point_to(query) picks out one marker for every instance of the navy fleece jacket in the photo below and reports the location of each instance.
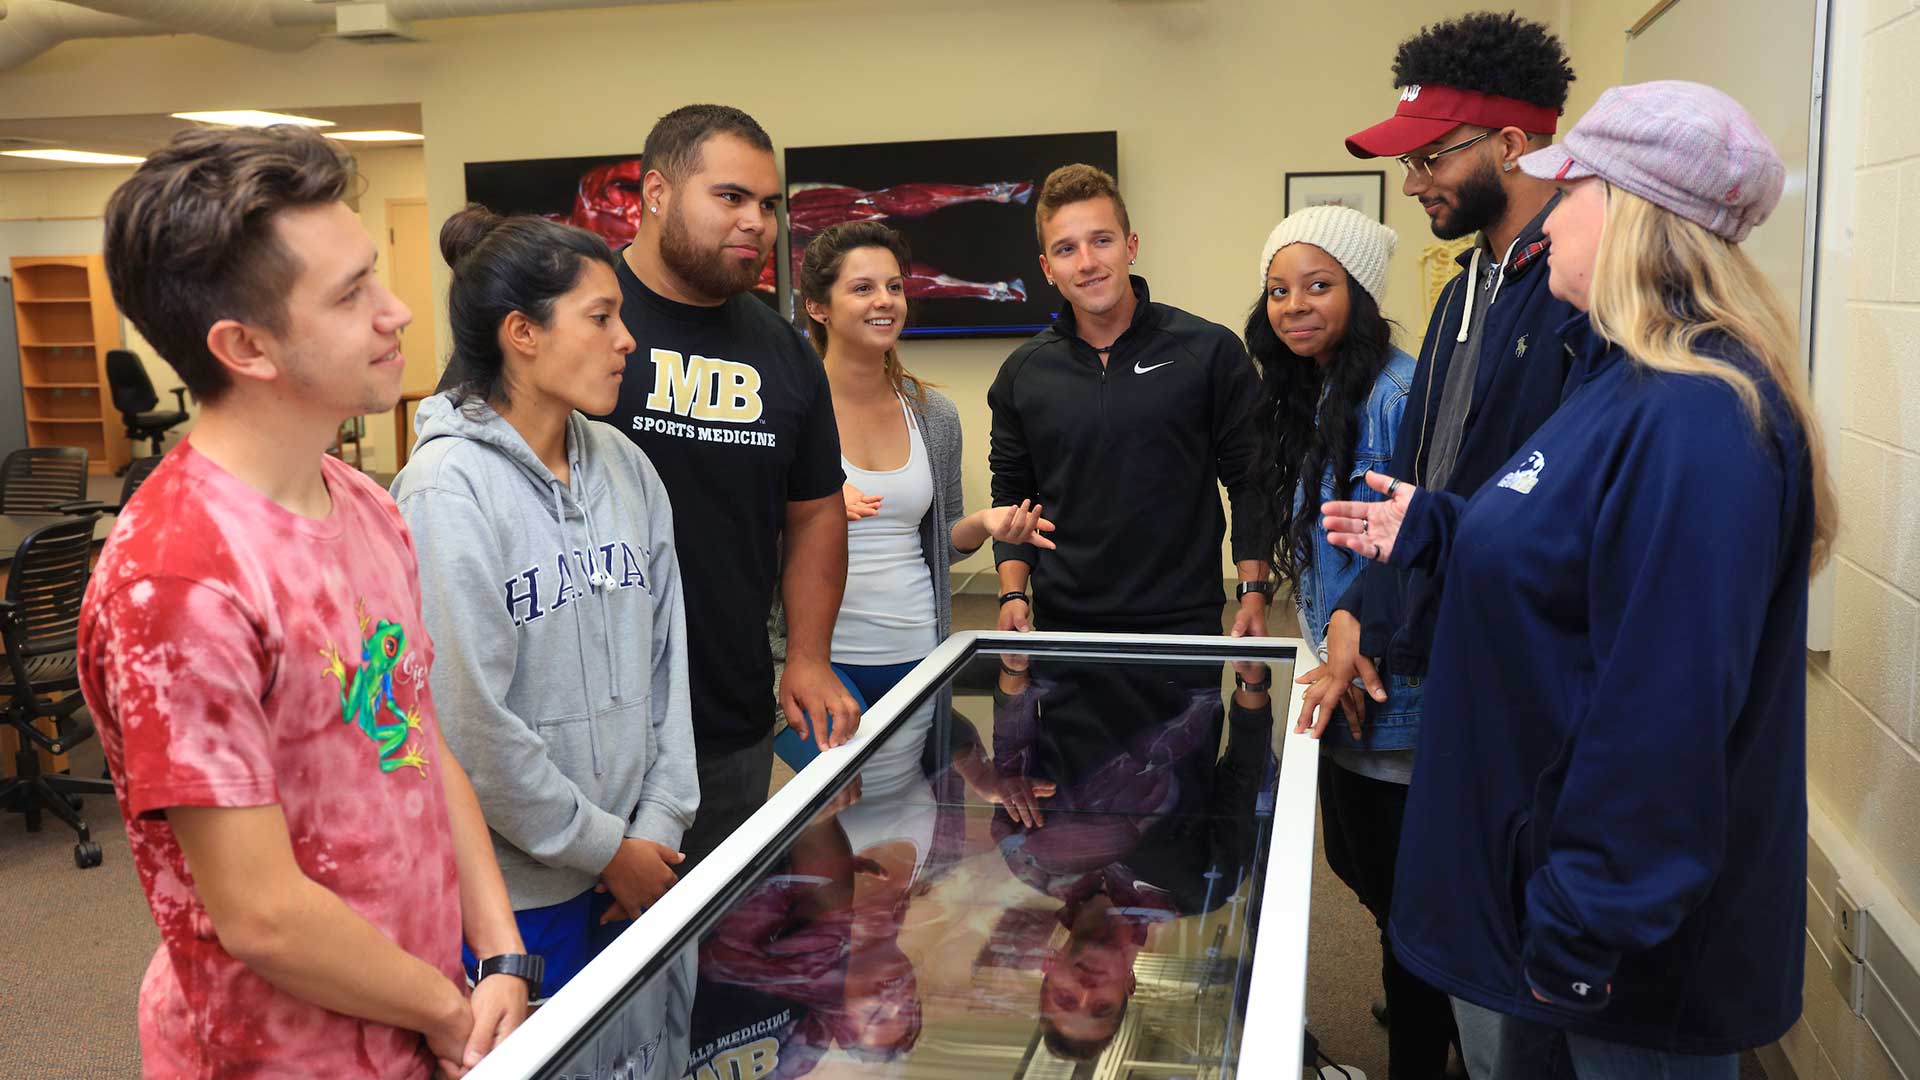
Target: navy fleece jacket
(1610, 808)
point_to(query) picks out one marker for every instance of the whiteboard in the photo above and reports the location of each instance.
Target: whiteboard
(1769, 55)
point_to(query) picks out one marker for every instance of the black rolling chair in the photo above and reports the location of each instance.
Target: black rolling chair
(41, 479)
(133, 395)
(137, 472)
(39, 621)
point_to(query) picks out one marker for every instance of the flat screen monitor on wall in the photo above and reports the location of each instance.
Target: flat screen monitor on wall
(966, 209)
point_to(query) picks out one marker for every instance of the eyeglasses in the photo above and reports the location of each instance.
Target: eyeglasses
(1424, 162)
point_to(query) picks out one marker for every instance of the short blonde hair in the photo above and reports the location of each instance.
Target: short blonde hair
(1070, 184)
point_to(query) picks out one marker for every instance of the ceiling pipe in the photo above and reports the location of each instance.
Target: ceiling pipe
(34, 26)
(279, 25)
(456, 9)
(31, 27)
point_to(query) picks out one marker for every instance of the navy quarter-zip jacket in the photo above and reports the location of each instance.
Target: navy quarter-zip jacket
(1610, 806)
(1517, 385)
(1127, 460)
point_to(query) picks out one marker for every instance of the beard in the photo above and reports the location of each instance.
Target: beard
(1479, 202)
(709, 272)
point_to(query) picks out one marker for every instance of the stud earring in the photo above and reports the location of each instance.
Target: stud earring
(1507, 167)
(1049, 281)
(655, 208)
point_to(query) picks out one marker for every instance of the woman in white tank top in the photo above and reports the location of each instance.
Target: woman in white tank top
(900, 447)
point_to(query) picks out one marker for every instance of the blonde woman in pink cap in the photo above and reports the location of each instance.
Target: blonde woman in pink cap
(1605, 848)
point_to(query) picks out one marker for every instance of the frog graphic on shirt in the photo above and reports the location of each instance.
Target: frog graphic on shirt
(367, 691)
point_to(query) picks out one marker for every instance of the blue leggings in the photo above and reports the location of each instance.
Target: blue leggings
(867, 684)
(566, 935)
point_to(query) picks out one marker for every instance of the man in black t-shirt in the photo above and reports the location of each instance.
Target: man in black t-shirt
(732, 407)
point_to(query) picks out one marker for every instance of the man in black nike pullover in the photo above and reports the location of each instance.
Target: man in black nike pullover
(1121, 420)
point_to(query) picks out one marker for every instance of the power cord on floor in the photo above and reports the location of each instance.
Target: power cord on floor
(1331, 1064)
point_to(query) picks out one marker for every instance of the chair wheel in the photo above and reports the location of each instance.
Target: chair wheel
(76, 802)
(86, 854)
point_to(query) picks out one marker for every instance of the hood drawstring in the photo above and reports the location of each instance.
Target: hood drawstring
(598, 580)
(578, 599)
(1473, 279)
(1466, 306)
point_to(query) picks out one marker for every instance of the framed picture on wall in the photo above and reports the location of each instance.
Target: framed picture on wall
(600, 194)
(1365, 191)
(965, 207)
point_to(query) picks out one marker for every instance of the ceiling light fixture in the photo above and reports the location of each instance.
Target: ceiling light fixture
(76, 157)
(250, 118)
(376, 136)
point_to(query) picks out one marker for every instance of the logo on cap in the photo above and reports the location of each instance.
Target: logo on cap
(1410, 93)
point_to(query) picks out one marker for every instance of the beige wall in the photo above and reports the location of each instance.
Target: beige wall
(1867, 772)
(1595, 34)
(1214, 101)
(81, 195)
(1863, 707)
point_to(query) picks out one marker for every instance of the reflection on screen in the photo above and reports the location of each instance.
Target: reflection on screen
(1052, 862)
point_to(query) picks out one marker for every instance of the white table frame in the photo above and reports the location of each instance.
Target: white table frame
(1277, 1002)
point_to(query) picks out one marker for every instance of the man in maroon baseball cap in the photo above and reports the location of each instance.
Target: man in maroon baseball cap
(1475, 94)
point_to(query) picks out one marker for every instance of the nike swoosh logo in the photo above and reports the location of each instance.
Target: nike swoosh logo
(1138, 370)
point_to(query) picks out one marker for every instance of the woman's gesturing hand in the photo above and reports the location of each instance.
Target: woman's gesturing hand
(1018, 524)
(1369, 528)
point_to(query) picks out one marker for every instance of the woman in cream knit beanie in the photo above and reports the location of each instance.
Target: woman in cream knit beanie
(1333, 390)
(1361, 244)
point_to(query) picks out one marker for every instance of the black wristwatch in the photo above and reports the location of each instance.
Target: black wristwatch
(520, 965)
(1254, 687)
(1264, 588)
(1014, 595)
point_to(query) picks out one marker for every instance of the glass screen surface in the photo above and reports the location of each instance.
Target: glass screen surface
(1051, 863)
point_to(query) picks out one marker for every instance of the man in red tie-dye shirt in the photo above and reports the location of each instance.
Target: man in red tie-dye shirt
(253, 652)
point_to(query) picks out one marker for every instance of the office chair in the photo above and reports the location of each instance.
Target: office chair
(38, 479)
(39, 623)
(133, 395)
(137, 472)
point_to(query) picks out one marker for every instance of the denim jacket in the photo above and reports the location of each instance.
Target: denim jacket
(1395, 724)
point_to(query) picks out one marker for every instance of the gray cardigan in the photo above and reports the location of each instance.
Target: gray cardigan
(940, 429)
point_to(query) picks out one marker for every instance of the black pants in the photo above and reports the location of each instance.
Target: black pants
(1361, 820)
(732, 786)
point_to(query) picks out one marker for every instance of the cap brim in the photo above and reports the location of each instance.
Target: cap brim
(1398, 135)
(1553, 163)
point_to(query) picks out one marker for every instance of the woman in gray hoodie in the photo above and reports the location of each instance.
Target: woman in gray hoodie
(551, 588)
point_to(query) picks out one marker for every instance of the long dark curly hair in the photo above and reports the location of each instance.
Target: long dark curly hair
(1292, 444)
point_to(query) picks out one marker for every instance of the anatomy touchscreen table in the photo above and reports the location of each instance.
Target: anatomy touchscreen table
(1050, 862)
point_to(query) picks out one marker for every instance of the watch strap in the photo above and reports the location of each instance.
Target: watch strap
(520, 965)
(1264, 588)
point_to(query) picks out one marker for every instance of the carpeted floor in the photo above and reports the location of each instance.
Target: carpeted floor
(79, 942)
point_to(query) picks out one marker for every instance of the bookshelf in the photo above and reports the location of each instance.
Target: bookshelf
(66, 321)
